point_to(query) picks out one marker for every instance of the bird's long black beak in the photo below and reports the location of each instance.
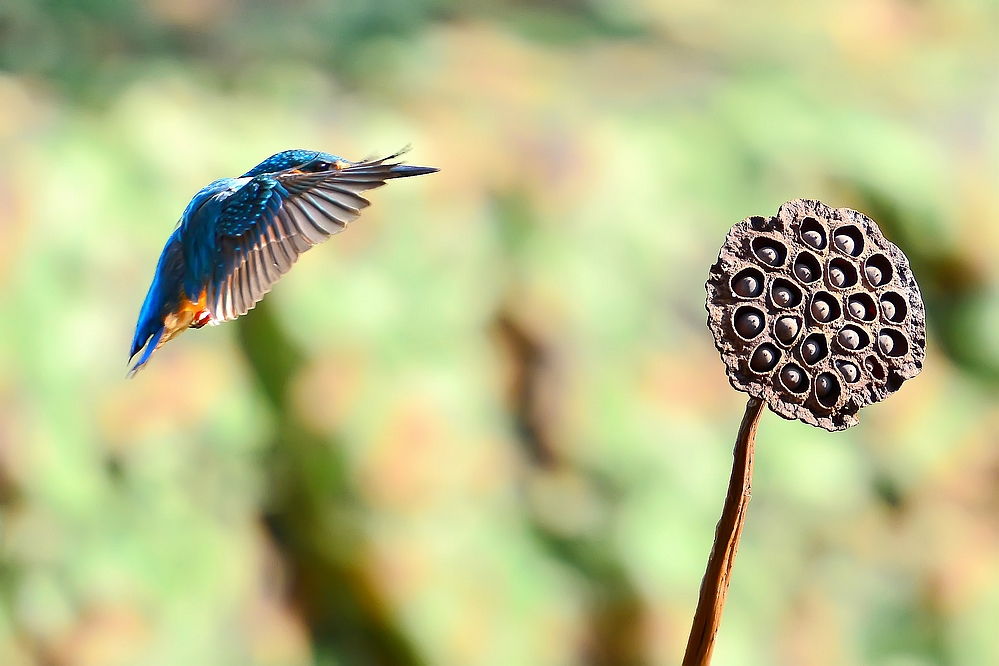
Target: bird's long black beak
(406, 170)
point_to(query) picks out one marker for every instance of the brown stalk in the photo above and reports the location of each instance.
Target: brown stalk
(718, 574)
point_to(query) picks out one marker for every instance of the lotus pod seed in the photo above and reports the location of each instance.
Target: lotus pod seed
(837, 276)
(786, 329)
(793, 378)
(747, 286)
(857, 309)
(849, 338)
(763, 359)
(888, 308)
(824, 385)
(749, 324)
(768, 255)
(813, 238)
(803, 272)
(845, 243)
(810, 351)
(821, 310)
(886, 342)
(874, 275)
(783, 296)
(850, 372)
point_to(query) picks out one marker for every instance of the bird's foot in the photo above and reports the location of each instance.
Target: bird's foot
(201, 317)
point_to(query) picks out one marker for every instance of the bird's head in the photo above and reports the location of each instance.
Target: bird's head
(309, 161)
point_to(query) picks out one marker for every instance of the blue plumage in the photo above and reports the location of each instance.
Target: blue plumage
(289, 159)
(238, 236)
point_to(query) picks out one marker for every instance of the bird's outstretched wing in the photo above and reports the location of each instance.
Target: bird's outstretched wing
(274, 218)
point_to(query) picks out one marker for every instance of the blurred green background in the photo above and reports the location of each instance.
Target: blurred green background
(486, 425)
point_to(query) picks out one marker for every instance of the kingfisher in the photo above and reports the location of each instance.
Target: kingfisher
(238, 236)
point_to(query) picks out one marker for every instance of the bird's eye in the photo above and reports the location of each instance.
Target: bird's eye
(321, 166)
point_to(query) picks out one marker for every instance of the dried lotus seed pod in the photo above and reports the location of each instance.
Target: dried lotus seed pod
(815, 313)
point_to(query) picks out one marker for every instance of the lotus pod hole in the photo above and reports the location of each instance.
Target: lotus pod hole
(794, 378)
(849, 240)
(806, 267)
(748, 283)
(878, 270)
(861, 306)
(825, 308)
(853, 338)
(814, 349)
(765, 358)
(842, 274)
(786, 329)
(749, 322)
(894, 307)
(827, 389)
(850, 372)
(784, 294)
(772, 253)
(813, 234)
(873, 366)
(892, 343)
(843, 306)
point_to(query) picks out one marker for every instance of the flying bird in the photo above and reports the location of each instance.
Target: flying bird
(238, 236)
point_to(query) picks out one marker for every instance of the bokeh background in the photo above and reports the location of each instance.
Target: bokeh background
(486, 425)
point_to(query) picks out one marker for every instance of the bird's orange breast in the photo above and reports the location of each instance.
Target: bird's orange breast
(187, 315)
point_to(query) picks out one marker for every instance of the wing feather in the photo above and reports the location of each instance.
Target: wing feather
(253, 274)
(327, 223)
(226, 311)
(279, 253)
(237, 291)
(303, 221)
(275, 217)
(246, 296)
(345, 196)
(267, 264)
(335, 206)
(325, 215)
(260, 278)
